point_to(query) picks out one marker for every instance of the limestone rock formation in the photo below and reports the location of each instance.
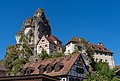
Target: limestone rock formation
(33, 29)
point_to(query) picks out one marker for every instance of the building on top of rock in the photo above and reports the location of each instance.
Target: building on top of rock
(71, 45)
(34, 30)
(51, 44)
(101, 52)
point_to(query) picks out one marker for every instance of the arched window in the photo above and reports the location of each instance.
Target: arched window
(41, 70)
(28, 72)
(22, 72)
(49, 69)
(57, 68)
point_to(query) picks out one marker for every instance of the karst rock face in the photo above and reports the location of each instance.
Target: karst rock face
(33, 29)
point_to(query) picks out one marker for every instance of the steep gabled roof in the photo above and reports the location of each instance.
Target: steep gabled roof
(54, 38)
(49, 40)
(66, 61)
(75, 39)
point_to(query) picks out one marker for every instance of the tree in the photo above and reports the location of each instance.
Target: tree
(12, 59)
(43, 55)
(102, 73)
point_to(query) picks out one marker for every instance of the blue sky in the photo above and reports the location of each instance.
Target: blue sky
(94, 20)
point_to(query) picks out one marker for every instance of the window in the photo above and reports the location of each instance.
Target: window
(71, 79)
(54, 46)
(51, 51)
(92, 47)
(40, 46)
(49, 69)
(105, 49)
(76, 80)
(28, 72)
(80, 63)
(99, 48)
(64, 79)
(79, 70)
(41, 70)
(57, 68)
(22, 72)
(96, 59)
(36, 60)
(43, 40)
(59, 48)
(46, 45)
(100, 60)
(105, 60)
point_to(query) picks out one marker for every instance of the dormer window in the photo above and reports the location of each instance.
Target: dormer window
(22, 72)
(41, 70)
(58, 67)
(99, 48)
(105, 49)
(49, 69)
(29, 71)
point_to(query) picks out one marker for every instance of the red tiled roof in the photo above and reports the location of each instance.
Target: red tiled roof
(97, 47)
(66, 61)
(100, 48)
(54, 38)
(118, 67)
(75, 39)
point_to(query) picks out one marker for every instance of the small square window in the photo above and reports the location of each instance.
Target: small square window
(40, 46)
(59, 48)
(46, 45)
(43, 40)
(54, 46)
(105, 60)
(100, 60)
(51, 51)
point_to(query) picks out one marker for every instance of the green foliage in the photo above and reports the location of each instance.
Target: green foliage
(17, 65)
(102, 73)
(56, 55)
(90, 52)
(12, 61)
(63, 48)
(43, 55)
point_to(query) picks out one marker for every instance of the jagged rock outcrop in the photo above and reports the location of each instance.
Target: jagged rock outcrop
(27, 38)
(33, 29)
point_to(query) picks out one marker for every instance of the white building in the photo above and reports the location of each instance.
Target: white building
(51, 44)
(101, 52)
(71, 45)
